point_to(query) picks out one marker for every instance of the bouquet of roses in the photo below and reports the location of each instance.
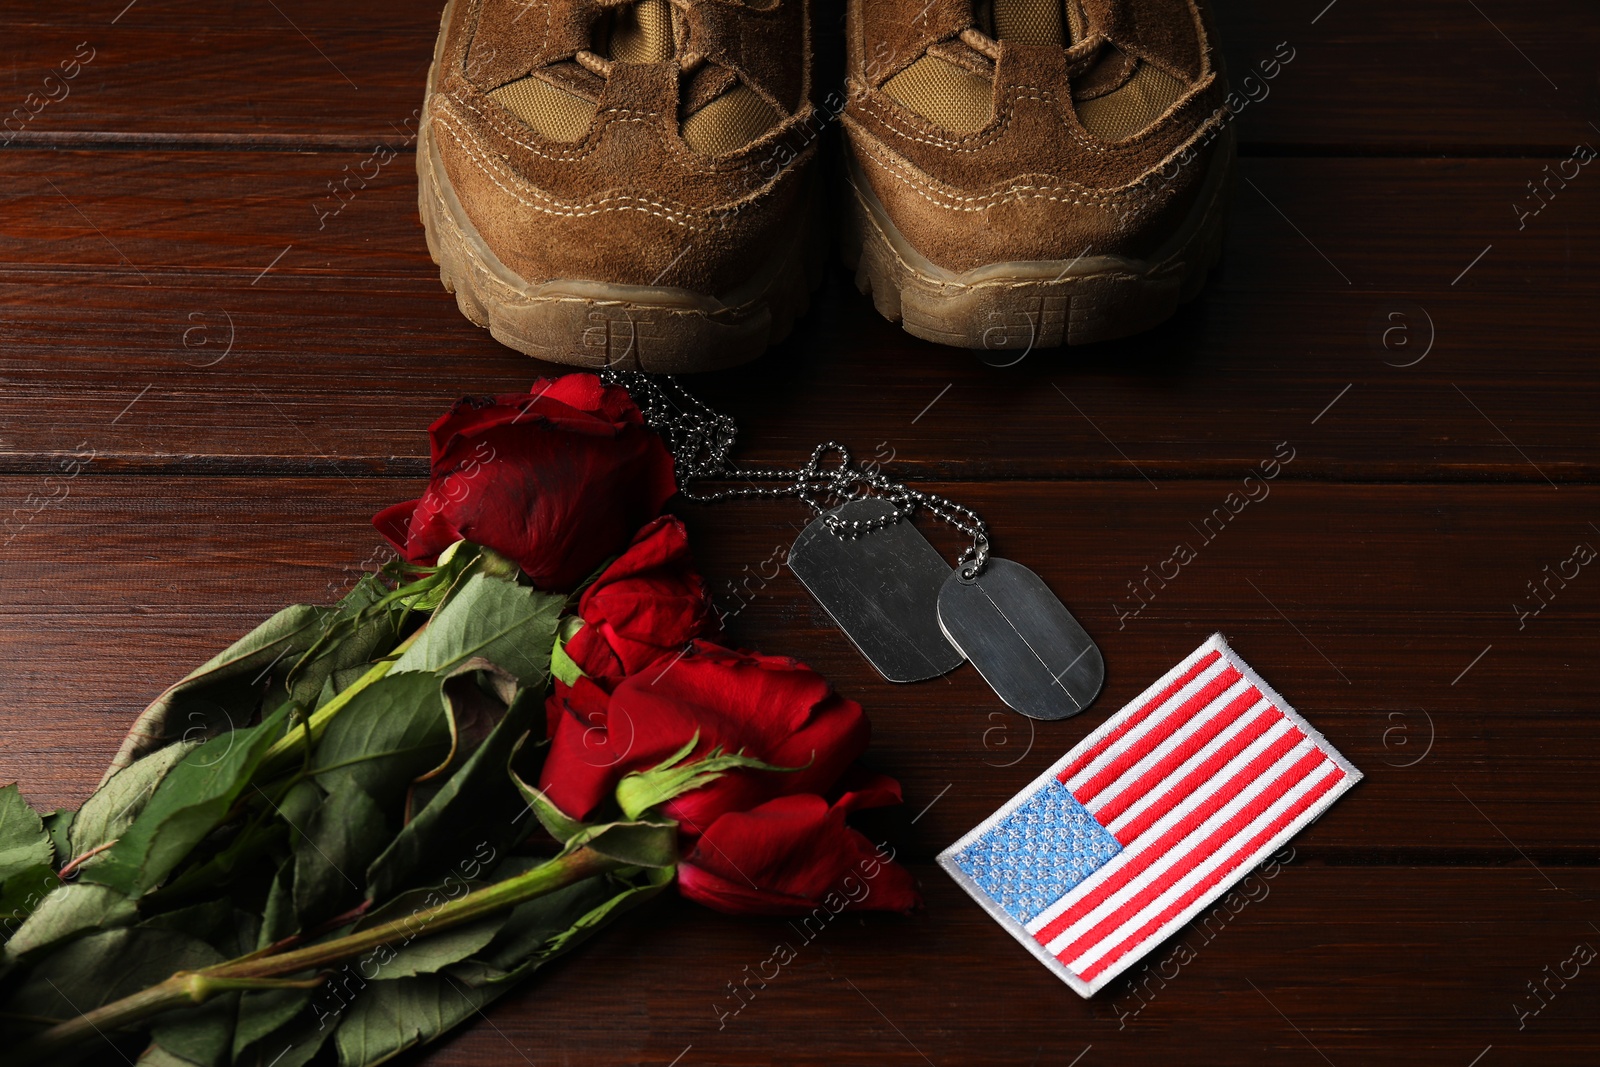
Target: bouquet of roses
(317, 846)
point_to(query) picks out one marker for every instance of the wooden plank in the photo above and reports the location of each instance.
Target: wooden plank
(1411, 78)
(252, 357)
(1373, 966)
(1365, 76)
(1377, 226)
(1369, 608)
(1372, 608)
(344, 346)
(289, 73)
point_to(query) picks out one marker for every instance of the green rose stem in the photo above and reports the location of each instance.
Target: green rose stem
(289, 748)
(282, 755)
(268, 970)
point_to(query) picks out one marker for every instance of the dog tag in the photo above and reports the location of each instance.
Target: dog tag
(881, 588)
(1022, 639)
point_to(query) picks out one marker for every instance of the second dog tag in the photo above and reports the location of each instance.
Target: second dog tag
(1023, 640)
(881, 588)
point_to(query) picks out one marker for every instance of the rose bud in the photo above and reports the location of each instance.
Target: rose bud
(645, 606)
(557, 479)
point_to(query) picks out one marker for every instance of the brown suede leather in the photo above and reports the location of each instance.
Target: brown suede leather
(1034, 184)
(764, 47)
(887, 36)
(1168, 35)
(629, 203)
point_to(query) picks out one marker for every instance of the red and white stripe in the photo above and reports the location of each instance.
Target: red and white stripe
(1198, 780)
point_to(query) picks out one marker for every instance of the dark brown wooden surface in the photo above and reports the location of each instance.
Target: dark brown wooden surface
(254, 377)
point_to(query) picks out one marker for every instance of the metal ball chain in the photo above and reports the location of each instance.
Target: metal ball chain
(701, 441)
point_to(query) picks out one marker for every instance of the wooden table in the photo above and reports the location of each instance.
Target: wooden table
(251, 364)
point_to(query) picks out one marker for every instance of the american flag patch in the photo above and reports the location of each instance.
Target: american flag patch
(1150, 819)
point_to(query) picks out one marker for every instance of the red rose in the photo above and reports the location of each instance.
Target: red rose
(556, 479)
(649, 604)
(767, 707)
(794, 854)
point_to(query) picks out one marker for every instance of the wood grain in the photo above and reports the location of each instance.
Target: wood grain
(1417, 78)
(1365, 76)
(1357, 965)
(137, 269)
(252, 358)
(1364, 605)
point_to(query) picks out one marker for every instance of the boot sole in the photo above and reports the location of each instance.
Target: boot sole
(582, 323)
(1027, 304)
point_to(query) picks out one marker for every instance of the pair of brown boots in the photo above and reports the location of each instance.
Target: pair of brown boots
(637, 184)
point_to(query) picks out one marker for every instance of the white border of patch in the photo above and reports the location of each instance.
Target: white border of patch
(1216, 642)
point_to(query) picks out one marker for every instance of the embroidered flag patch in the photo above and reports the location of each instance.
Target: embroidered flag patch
(1150, 819)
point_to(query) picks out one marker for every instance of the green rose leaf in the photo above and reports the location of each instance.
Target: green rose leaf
(218, 923)
(478, 794)
(431, 952)
(58, 824)
(649, 883)
(278, 919)
(71, 909)
(120, 799)
(476, 698)
(107, 966)
(188, 804)
(24, 842)
(556, 822)
(22, 894)
(264, 1012)
(639, 791)
(544, 928)
(226, 691)
(535, 924)
(389, 1017)
(197, 1037)
(332, 848)
(261, 1013)
(646, 843)
(364, 625)
(202, 1035)
(156, 1055)
(491, 619)
(425, 951)
(563, 666)
(293, 1043)
(391, 732)
(393, 1014)
(289, 657)
(458, 563)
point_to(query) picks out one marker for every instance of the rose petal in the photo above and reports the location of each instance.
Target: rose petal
(790, 856)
